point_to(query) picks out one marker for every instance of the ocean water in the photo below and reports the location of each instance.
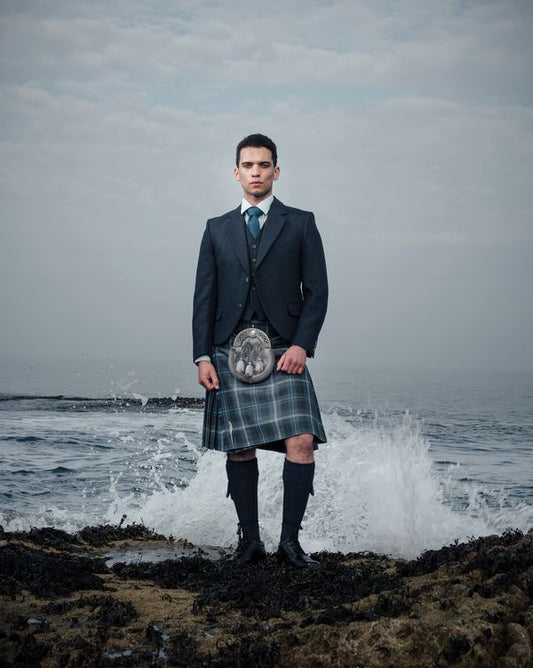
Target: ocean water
(413, 462)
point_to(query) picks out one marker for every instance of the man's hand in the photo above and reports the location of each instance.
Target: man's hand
(207, 376)
(293, 360)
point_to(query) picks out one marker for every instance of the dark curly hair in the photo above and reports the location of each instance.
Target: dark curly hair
(258, 141)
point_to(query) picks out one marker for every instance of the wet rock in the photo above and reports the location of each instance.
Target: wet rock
(268, 589)
(466, 605)
(46, 574)
(31, 651)
(50, 537)
(248, 651)
(181, 649)
(490, 554)
(99, 536)
(455, 648)
(106, 610)
(519, 653)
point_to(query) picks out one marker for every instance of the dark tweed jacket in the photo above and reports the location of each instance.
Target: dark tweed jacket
(290, 275)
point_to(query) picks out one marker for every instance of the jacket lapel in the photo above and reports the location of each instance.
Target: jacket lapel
(272, 228)
(237, 236)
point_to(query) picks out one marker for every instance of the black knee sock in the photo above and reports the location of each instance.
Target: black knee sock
(242, 486)
(297, 485)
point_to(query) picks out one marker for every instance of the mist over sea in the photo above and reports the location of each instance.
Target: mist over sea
(413, 461)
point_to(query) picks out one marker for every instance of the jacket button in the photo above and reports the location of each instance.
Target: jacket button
(246, 279)
(239, 305)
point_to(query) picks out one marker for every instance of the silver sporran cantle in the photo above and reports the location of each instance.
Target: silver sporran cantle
(251, 358)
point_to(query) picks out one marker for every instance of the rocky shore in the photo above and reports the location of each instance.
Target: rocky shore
(69, 600)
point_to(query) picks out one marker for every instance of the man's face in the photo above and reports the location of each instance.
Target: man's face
(256, 173)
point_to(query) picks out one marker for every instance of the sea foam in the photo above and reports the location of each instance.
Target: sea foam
(376, 489)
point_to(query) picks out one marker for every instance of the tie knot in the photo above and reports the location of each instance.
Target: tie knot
(254, 212)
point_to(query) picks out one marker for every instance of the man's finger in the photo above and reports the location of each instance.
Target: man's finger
(207, 376)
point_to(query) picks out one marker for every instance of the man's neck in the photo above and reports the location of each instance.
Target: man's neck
(256, 200)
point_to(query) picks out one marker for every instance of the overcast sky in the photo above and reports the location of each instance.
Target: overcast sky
(406, 126)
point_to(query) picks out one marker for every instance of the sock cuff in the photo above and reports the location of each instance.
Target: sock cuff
(241, 466)
(292, 468)
(299, 474)
(241, 472)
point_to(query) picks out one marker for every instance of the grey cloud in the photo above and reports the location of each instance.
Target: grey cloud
(406, 131)
(430, 48)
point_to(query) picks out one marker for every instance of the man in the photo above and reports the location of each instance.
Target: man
(260, 300)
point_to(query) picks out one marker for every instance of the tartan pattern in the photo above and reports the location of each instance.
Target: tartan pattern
(239, 415)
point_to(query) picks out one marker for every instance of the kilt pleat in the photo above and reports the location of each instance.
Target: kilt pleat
(239, 415)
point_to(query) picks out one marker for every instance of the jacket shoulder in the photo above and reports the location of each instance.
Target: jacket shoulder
(229, 214)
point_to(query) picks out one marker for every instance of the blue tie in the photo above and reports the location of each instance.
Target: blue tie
(253, 220)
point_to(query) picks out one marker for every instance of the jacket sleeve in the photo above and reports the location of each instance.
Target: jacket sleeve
(205, 298)
(314, 289)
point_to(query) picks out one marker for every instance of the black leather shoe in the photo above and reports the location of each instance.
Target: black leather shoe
(290, 551)
(248, 551)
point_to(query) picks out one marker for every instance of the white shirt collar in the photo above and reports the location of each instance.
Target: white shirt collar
(264, 205)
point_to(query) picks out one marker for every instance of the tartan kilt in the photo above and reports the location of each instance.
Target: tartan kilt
(240, 415)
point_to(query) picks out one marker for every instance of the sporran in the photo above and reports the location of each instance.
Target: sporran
(251, 358)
